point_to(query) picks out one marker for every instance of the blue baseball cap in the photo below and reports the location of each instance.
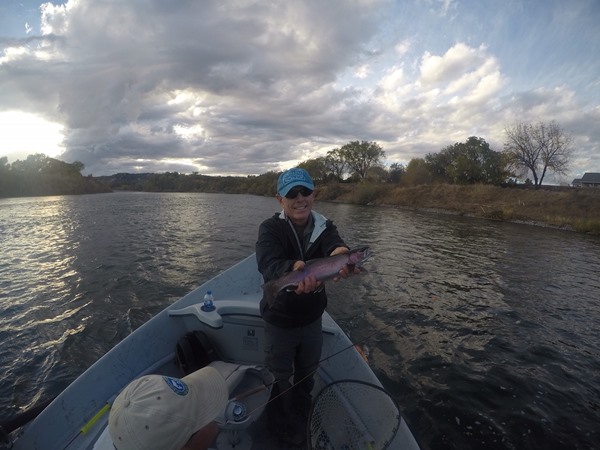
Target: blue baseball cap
(292, 178)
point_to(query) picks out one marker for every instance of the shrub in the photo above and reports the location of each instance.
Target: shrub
(368, 193)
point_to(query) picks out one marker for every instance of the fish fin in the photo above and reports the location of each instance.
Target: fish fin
(361, 269)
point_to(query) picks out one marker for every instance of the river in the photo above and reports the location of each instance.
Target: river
(484, 332)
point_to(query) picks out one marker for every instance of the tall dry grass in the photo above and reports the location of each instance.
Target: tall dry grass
(576, 209)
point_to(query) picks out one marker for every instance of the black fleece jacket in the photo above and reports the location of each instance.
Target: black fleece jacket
(277, 249)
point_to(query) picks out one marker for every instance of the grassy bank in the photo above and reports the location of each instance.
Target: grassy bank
(573, 209)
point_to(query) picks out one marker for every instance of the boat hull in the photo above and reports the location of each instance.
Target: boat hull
(77, 418)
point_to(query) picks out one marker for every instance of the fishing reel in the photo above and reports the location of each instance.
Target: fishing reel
(249, 392)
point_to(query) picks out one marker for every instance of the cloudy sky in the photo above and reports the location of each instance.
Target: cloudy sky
(239, 87)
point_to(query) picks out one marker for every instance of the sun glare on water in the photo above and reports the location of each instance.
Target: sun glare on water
(23, 134)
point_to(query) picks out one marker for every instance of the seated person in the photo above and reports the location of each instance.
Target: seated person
(156, 412)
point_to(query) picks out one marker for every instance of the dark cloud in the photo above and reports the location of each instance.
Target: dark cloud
(230, 87)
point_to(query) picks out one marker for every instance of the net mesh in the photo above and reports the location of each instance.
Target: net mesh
(349, 415)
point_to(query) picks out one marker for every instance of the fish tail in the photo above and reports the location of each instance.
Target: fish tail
(270, 290)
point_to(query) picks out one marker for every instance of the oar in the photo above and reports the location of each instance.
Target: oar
(23, 418)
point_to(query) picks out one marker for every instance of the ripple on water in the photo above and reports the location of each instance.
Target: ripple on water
(484, 332)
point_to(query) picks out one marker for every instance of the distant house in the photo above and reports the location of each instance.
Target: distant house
(589, 179)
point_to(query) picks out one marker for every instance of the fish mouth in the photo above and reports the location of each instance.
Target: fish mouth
(366, 253)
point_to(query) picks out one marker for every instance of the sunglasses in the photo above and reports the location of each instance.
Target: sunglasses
(293, 193)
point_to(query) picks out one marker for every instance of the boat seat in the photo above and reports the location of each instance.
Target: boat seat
(214, 318)
(249, 392)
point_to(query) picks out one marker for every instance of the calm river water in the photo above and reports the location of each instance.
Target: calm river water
(485, 332)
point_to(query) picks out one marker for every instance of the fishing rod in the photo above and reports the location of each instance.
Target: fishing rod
(314, 371)
(29, 414)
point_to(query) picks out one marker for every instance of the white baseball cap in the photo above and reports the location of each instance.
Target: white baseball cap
(156, 412)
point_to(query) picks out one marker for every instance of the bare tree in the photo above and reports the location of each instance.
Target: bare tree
(538, 148)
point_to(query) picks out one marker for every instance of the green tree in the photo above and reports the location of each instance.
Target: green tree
(335, 165)
(417, 172)
(537, 148)
(378, 174)
(6, 179)
(32, 164)
(468, 163)
(77, 166)
(396, 172)
(361, 156)
(439, 163)
(268, 182)
(41, 175)
(316, 167)
(60, 168)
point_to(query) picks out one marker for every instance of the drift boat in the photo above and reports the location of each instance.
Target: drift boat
(350, 408)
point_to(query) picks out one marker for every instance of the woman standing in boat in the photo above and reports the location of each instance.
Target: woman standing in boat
(293, 333)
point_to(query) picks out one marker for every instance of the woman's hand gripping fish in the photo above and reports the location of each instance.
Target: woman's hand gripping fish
(322, 269)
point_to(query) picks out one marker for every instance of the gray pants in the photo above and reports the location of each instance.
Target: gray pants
(292, 355)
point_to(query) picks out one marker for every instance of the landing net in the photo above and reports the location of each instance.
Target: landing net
(353, 415)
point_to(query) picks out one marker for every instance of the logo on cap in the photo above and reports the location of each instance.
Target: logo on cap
(294, 175)
(177, 385)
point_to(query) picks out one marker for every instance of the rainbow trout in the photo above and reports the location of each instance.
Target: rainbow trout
(322, 269)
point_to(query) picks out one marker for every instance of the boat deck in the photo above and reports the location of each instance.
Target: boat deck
(256, 437)
(77, 418)
(262, 438)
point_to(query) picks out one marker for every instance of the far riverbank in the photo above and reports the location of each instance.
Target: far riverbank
(576, 209)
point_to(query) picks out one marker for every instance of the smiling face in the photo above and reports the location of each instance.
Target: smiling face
(297, 209)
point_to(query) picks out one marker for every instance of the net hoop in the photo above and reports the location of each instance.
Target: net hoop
(353, 415)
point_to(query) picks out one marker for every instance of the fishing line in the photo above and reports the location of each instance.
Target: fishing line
(313, 372)
(250, 392)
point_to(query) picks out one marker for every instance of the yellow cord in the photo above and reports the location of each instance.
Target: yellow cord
(95, 419)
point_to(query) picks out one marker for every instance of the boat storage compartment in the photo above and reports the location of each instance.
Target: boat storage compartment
(234, 327)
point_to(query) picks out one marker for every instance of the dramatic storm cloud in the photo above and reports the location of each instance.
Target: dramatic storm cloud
(243, 87)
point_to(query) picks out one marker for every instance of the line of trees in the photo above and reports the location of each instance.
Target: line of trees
(529, 148)
(462, 163)
(354, 161)
(42, 175)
